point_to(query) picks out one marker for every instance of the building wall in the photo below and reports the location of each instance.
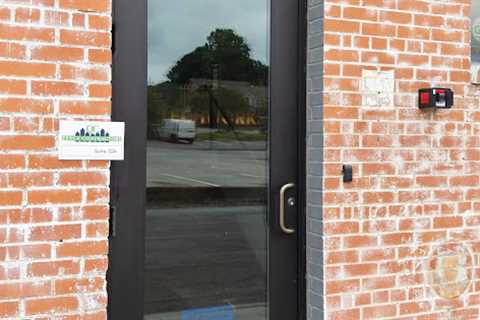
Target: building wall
(402, 240)
(54, 64)
(399, 242)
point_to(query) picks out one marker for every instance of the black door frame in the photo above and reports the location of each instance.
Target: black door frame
(302, 157)
(129, 81)
(126, 257)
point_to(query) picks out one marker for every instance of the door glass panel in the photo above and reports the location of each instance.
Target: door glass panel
(207, 160)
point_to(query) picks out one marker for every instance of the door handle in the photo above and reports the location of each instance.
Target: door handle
(113, 221)
(283, 190)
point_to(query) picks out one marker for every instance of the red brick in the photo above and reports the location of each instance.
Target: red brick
(51, 305)
(56, 88)
(51, 162)
(12, 32)
(9, 309)
(55, 196)
(349, 314)
(85, 38)
(85, 107)
(27, 15)
(13, 87)
(55, 233)
(86, 5)
(414, 307)
(378, 29)
(72, 286)
(396, 17)
(53, 53)
(342, 286)
(83, 178)
(378, 283)
(81, 249)
(380, 312)
(26, 142)
(53, 268)
(100, 56)
(447, 222)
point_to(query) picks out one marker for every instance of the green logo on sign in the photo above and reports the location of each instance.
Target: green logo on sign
(92, 134)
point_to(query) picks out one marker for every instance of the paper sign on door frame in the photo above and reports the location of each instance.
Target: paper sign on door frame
(91, 140)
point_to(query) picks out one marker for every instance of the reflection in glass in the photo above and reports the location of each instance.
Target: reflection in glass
(475, 28)
(207, 160)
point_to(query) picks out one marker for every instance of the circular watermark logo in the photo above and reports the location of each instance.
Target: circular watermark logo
(450, 270)
(476, 29)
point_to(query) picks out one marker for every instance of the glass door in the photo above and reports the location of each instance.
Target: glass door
(206, 236)
(206, 218)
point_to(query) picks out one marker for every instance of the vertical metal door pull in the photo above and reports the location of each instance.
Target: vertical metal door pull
(282, 208)
(113, 221)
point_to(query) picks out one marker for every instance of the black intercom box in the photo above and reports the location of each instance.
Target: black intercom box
(347, 173)
(439, 98)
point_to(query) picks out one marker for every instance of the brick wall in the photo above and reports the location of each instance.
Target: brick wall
(402, 240)
(54, 64)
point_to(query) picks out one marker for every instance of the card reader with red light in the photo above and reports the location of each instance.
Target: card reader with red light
(439, 98)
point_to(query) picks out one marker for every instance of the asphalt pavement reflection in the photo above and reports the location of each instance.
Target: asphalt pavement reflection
(206, 164)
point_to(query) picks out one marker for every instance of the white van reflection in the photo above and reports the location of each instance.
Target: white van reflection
(176, 130)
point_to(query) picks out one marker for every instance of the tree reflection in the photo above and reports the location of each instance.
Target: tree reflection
(218, 85)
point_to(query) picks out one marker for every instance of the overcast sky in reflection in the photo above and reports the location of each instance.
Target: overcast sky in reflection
(176, 27)
(476, 31)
